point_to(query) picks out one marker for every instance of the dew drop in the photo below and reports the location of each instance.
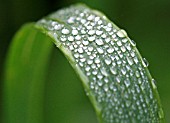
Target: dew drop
(91, 38)
(97, 60)
(74, 32)
(121, 33)
(137, 74)
(71, 38)
(119, 43)
(123, 49)
(124, 40)
(76, 55)
(100, 50)
(153, 83)
(127, 82)
(106, 88)
(57, 27)
(100, 76)
(78, 37)
(91, 17)
(108, 61)
(85, 42)
(80, 50)
(123, 70)
(110, 50)
(89, 61)
(94, 72)
(62, 38)
(100, 22)
(145, 63)
(65, 31)
(71, 20)
(100, 83)
(98, 32)
(128, 103)
(99, 42)
(103, 71)
(82, 59)
(90, 48)
(87, 68)
(113, 70)
(133, 43)
(130, 61)
(91, 32)
(97, 19)
(104, 36)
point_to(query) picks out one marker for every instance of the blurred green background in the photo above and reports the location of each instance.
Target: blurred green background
(146, 21)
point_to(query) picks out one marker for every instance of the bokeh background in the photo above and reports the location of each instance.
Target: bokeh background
(146, 21)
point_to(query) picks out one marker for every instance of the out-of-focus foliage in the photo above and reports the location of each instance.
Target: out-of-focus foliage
(147, 22)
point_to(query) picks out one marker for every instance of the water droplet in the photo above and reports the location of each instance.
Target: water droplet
(65, 31)
(91, 17)
(120, 111)
(87, 68)
(91, 32)
(133, 43)
(100, 83)
(121, 33)
(137, 74)
(104, 36)
(106, 88)
(118, 79)
(145, 63)
(110, 50)
(80, 50)
(99, 42)
(97, 19)
(128, 103)
(98, 32)
(107, 40)
(89, 61)
(123, 49)
(85, 42)
(100, 22)
(71, 38)
(119, 43)
(127, 82)
(130, 61)
(124, 40)
(62, 38)
(100, 76)
(74, 32)
(90, 48)
(123, 70)
(78, 37)
(91, 38)
(82, 59)
(94, 72)
(71, 20)
(103, 71)
(113, 70)
(106, 80)
(97, 60)
(108, 61)
(153, 83)
(100, 50)
(76, 55)
(57, 27)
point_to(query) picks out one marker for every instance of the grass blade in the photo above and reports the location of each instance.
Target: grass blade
(112, 71)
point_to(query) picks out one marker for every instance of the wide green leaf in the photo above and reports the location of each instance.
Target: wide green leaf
(40, 87)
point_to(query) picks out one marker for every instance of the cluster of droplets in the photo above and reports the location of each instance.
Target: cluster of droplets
(117, 76)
